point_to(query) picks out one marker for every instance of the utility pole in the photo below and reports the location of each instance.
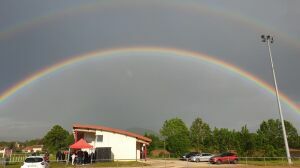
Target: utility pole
(269, 39)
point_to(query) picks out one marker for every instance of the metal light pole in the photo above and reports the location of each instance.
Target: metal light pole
(269, 39)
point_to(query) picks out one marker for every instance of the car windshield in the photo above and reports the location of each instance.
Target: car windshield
(192, 154)
(226, 154)
(33, 160)
(221, 155)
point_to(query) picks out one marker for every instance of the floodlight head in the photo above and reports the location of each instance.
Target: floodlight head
(263, 38)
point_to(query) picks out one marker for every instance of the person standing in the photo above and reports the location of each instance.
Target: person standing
(73, 158)
(58, 156)
(80, 157)
(46, 157)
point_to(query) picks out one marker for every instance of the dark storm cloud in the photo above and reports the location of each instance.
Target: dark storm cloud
(204, 26)
(141, 91)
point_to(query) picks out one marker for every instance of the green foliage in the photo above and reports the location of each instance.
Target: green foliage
(270, 133)
(70, 139)
(270, 137)
(246, 141)
(224, 139)
(155, 144)
(267, 141)
(11, 145)
(199, 134)
(33, 142)
(177, 136)
(292, 135)
(57, 139)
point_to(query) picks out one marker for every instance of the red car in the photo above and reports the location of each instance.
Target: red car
(226, 157)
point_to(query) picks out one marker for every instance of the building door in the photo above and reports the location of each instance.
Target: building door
(103, 154)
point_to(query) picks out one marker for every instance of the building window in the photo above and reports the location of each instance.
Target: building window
(99, 138)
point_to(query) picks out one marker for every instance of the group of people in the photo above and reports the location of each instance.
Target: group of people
(60, 156)
(80, 157)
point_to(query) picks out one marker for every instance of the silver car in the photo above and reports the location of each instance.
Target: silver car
(201, 157)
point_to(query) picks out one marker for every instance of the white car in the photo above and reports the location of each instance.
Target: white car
(201, 157)
(35, 162)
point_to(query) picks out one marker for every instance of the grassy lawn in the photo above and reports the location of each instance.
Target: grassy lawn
(269, 162)
(119, 164)
(98, 164)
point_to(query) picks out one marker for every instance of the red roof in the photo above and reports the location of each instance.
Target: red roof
(28, 148)
(114, 130)
(81, 144)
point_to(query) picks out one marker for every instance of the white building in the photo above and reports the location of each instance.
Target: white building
(111, 143)
(34, 148)
(2, 151)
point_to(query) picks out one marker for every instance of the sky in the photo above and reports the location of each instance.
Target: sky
(140, 90)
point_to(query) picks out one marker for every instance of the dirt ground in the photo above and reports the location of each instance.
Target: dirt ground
(183, 164)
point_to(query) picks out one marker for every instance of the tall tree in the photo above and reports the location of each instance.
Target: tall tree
(70, 139)
(199, 134)
(270, 137)
(224, 139)
(176, 135)
(56, 139)
(246, 141)
(292, 134)
(270, 133)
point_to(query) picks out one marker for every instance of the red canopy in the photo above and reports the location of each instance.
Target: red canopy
(80, 145)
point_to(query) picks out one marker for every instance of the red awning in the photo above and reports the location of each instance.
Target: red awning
(81, 144)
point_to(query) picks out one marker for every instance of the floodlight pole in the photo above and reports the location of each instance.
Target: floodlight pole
(269, 39)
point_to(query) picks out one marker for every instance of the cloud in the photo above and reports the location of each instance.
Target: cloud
(144, 91)
(105, 92)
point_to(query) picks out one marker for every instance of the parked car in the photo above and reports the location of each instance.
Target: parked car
(226, 157)
(201, 157)
(36, 162)
(188, 155)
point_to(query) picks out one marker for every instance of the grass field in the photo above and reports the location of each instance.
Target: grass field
(98, 164)
(279, 163)
(270, 163)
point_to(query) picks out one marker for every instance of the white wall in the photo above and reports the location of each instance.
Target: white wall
(37, 149)
(122, 146)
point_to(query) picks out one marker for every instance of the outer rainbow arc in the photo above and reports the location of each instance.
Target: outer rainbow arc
(194, 7)
(11, 91)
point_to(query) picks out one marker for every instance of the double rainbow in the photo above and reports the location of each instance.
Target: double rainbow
(181, 6)
(155, 50)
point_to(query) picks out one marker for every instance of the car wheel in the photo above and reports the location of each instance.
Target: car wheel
(197, 160)
(218, 162)
(234, 161)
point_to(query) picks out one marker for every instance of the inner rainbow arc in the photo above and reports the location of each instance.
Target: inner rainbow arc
(119, 51)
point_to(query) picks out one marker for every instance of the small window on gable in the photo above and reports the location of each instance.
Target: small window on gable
(99, 138)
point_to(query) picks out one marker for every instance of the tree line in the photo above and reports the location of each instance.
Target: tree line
(55, 139)
(177, 138)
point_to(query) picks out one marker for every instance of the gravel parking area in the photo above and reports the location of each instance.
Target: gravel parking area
(184, 164)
